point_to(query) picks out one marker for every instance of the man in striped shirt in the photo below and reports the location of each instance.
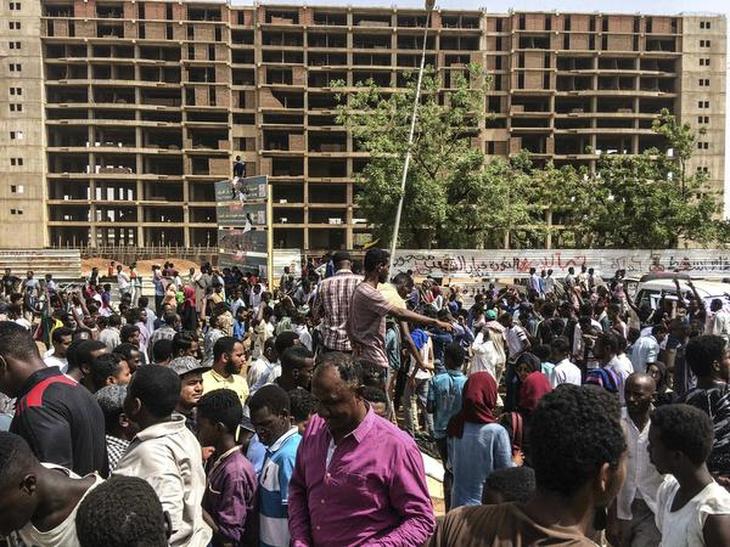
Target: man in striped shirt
(270, 414)
(332, 303)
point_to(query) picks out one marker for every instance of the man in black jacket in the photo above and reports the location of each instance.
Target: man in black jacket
(58, 417)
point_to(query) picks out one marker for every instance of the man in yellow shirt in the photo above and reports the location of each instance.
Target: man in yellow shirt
(228, 360)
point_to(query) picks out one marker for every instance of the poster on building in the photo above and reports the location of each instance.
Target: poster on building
(234, 214)
(238, 239)
(242, 202)
(245, 261)
(254, 189)
(244, 231)
(496, 263)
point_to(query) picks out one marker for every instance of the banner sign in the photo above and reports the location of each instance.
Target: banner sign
(235, 215)
(253, 188)
(236, 239)
(243, 223)
(494, 263)
(246, 261)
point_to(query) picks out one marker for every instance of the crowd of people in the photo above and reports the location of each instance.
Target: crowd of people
(223, 411)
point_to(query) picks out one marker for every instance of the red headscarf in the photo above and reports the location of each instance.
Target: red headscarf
(478, 402)
(189, 294)
(535, 386)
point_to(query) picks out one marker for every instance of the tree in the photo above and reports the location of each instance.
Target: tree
(456, 197)
(648, 200)
(453, 198)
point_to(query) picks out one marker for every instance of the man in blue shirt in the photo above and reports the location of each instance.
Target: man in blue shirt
(440, 338)
(271, 416)
(444, 400)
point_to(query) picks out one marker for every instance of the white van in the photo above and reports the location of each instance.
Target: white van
(650, 288)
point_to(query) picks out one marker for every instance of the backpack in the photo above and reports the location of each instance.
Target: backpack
(605, 378)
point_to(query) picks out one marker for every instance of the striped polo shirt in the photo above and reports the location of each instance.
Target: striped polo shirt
(274, 489)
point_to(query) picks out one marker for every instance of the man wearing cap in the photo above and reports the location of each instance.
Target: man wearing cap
(119, 430)
(190, 371)
(332, 304)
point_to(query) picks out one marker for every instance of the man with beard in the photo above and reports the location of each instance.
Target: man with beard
(368, 308)
(228, 359)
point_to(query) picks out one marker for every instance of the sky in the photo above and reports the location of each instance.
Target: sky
(622, 6)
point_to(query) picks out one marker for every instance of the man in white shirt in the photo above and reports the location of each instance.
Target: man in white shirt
(606, 351)
(570, 279)
(56, 356)
(582, 278)
(692, 509)
(143, 304)
(261, 370)
(267, 367)
(166, 454)
(720, 321)
(549, 283)
(564, 372)
(484, 354)
(535, 284)
(236, 302)
(39, 501)
(515, 336)
(123, 282)
(301, 330)
(646, 349)
(635, 505)
(254, 298)
(110, 335)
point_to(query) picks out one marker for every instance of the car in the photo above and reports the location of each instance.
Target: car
(651, 286)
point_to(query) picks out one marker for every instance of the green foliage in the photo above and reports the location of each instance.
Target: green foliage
(448, 190)
(647, 200)
(456, 197)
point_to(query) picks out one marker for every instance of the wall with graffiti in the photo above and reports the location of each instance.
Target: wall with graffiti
(494, 263)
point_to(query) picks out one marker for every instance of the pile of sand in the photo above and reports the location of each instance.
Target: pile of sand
(88, 263)
(144, 267)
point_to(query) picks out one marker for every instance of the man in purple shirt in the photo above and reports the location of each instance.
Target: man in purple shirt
(358, 479)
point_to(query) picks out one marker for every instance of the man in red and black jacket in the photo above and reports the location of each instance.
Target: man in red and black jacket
(57, 417)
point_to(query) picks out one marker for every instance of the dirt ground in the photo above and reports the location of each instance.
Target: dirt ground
(144, 267)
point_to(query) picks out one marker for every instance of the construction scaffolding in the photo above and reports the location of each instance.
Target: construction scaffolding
(133, 110)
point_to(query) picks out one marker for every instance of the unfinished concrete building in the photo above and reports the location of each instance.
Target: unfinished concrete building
(117, 116)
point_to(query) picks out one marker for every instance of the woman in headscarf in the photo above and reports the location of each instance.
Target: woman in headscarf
(533, 383)
(188, 310)
(477, 444)
(664, 395)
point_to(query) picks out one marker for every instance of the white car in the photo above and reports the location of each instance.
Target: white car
(650, 288)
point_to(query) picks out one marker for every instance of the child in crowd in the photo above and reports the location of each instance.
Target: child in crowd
(377, 400)
(120, 512)
(508, 485)
(228, 503)
(691, 508)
